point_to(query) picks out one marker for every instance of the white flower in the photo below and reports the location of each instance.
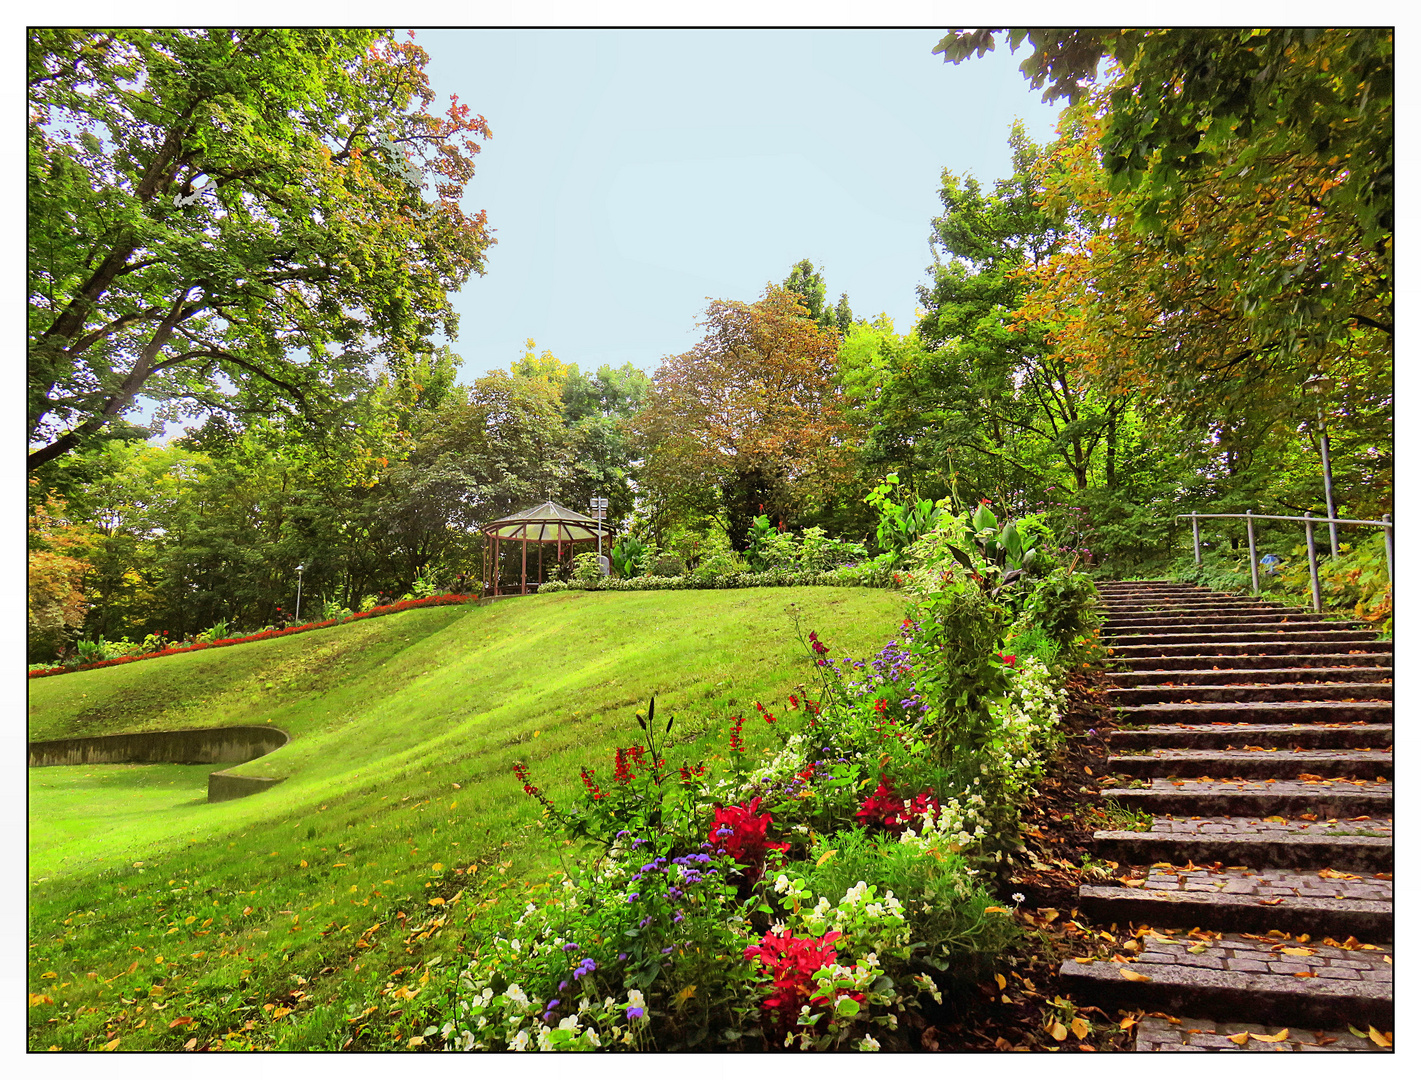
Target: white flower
(520, 1041)
(869, 1043)
(1017, 898)
(782, 884)
(635, 1000)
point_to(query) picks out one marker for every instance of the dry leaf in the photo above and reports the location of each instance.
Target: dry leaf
(1269, 1038)
(1058, 1031)
(1080, 1028)
(1384, 1041)
(830, 854)
(190, 1044)
(1001, 982)
(1239, 1039)
(180, 1021)
(1197, 949)
(1127, 1023)
(994, 910)
(1132, 975)
(1297, 952)
(112, 1045)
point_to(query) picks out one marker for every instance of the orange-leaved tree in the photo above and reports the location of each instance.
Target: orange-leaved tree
(750, 420)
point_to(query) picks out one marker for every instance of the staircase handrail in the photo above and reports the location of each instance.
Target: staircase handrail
(1309, 521)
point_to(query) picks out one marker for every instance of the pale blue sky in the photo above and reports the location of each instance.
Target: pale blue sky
(634, 173)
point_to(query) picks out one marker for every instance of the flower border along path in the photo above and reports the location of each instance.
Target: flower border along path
(1259, 738)
(445, 600)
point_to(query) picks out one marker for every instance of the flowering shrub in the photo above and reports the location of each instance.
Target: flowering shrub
(739, 832)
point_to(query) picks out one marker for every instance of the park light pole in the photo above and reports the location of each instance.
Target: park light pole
(299, 569)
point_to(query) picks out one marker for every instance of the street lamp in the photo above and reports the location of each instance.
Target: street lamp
(299, 569)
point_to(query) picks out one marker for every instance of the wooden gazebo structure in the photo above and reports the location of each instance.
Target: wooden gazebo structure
(546, 523)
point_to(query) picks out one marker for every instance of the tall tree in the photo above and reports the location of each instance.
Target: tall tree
(750, 416)
(232, 220)
(808, 282)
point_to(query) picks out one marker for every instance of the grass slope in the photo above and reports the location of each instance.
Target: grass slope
(255, 917)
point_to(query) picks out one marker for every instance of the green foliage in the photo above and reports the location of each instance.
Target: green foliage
(626, 555)
(587, 568)
(1355, 584)
(899, 525)
(229, 221)
(1066, 608)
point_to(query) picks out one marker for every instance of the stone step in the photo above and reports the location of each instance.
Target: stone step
(1229, 736)
(1239, 841)
(1276, 647)
(1243, 979)
(1273, 619)
(1262, 712)
(1243, 634)
(1182, 1033)
(1202, 607)
(1257, 798)
(1300, 676)
(1355, 764)
(1245, 691)
(1319, 903)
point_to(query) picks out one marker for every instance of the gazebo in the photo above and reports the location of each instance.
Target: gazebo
(546, 523)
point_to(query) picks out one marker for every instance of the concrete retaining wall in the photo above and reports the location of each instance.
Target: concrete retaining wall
(201, 746)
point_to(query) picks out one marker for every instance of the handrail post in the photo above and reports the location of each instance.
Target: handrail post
(1312, 566)
(1252, 553)
(1386, 532)
(1327, 491)
(1194, 520)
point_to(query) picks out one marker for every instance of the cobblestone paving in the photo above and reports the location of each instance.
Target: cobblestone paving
(1182, 1033)
(1174, 825)
(1206, 786)
(1329, 884)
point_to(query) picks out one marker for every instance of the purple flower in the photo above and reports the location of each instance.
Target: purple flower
(666, 950)
(621, 956)
(679, 918)
(562, 985)
(633, 896)
(553, 1004)
(569, 946)
(634, 1014)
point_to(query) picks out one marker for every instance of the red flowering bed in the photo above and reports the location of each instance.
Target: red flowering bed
(384, 609)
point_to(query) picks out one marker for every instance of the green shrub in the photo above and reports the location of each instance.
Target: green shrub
(1066, 607)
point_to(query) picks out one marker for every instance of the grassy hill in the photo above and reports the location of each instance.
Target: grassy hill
(272, 920)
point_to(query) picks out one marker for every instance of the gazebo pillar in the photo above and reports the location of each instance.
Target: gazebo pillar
(495, 565)
(525, 561)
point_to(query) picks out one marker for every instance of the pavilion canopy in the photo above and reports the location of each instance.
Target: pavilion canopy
(547, 523)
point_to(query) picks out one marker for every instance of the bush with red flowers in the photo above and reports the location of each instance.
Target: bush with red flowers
(791, 964)
(741, 833)
(886, 810)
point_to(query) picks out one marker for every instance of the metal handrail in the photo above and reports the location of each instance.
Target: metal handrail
(1385, 523)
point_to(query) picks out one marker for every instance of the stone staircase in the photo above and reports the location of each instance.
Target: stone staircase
(1259, 739)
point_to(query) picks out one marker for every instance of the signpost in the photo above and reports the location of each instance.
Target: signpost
(599, 507)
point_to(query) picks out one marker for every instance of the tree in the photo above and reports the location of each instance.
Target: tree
(1297, 121)
(808, 282)
(58, 563)
(226, 220)
(750, 419)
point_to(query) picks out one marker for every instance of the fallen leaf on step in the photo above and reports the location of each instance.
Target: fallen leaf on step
(1239, 1039)
(1132, 975)
(1269, 1038)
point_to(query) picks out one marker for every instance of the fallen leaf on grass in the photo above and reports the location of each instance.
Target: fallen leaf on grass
(180, 1021)
(190, 1044)
(40, 999)
(112, 1045)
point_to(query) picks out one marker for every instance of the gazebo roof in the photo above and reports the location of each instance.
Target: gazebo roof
(546, 523)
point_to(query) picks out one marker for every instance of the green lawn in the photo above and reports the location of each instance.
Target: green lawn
(403, 730)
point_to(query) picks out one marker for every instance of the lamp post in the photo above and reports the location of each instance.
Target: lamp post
(299, 569)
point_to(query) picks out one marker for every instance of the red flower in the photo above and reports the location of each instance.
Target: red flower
(889, 812)
(739, 831)
(1008, 660)
(793, 702)
(791, 964)
(765, 713)
(590, 783)
(880, 705)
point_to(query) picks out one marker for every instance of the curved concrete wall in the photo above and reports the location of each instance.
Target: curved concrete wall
(200, 746)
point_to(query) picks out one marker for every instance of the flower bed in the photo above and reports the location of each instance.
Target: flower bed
(829, 894)
(384, 609)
